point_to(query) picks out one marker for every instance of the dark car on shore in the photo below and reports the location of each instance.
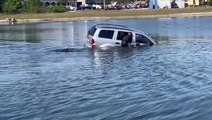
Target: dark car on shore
(86, 7)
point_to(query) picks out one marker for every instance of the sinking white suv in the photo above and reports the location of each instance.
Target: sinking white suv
(110, 35)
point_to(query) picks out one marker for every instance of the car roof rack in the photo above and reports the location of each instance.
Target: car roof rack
(111, 25)
(120, 28)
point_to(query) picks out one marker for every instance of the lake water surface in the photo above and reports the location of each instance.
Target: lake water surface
(169, 81)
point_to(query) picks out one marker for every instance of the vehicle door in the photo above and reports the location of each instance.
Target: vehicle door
(142, 40)
(105, 37)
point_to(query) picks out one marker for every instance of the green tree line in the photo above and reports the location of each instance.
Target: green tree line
(29, 6)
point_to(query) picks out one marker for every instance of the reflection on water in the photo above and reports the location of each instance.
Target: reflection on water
(102, 57)
(64, 32)
(171, 80)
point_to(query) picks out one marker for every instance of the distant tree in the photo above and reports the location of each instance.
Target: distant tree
(210, 2)
(62, 2)
(33, 6)
(24, 4)
(12, 6)
(1, 5)
(107, 1)
(58, 9)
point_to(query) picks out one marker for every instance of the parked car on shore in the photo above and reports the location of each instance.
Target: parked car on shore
(85, 7)
(97, 6)
(71, 8)
(111, 6)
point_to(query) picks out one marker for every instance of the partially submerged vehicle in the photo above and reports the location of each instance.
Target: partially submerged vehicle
(111, 35)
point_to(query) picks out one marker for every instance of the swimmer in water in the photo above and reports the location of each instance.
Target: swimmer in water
(66, 49)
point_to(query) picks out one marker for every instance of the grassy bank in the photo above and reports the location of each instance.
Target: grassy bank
(102, 13)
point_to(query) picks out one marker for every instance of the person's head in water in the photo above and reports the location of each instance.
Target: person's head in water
(66, 49)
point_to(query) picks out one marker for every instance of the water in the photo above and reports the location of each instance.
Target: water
(171, 80)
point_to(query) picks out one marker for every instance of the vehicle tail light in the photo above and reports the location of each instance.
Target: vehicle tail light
(92, 43)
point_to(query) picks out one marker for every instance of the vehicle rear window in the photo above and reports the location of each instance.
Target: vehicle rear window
(92, 31)
(106, 34)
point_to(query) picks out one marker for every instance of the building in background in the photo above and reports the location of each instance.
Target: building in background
(195, 2)
(180, 3)
(153, 4)
(75, 3)
(165, 4)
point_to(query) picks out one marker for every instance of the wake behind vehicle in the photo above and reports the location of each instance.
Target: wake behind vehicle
(111, 35)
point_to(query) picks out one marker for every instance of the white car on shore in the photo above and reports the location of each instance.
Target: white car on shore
(110, 35)
(71, 8)
(97, 6)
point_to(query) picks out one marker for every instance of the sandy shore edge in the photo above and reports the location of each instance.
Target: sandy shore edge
(21, 21)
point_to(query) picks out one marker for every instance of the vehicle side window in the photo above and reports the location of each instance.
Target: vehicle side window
(143, 39)
(121, 34)
(106, 34)
(92, 31)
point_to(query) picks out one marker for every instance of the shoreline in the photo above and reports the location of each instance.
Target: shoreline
(43, 20)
